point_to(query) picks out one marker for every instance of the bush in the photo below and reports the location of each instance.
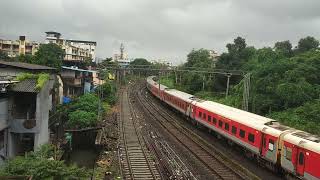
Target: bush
(82, 119)
(87, 102)
(108, 92)
(41, 167)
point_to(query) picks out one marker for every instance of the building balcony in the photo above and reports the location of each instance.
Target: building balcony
(73, 81)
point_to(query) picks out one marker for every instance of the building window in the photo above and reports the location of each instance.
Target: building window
(251, 137)
(226, 126)
(234, 130)
(288, 153)
(271, 145)
(209, 118)
(242, 133)
(200, 114)
(220, 123)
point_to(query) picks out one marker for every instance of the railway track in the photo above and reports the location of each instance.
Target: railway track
(218, 165)
(137, 162)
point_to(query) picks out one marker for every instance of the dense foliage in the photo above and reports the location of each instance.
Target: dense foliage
(41, 166)
(50, 55)
(285, 81)
(140, 62)
(83, 111)
(107, 91)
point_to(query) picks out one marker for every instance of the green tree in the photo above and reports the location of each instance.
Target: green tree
(199, 58)
(238, 45)
(284, 48)
(107, 62)
(307, 43)
(109, 90)
(25, 58)
(4, 55)
(238, 54)
(140, 61)
(50, 55)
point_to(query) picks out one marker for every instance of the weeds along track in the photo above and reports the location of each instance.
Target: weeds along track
(219, 165)
(137, 163)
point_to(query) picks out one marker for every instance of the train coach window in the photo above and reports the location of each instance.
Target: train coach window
(288, 153)
(226, 126)
(209, 118)
(200, 114)
(220, 123)
(214, 120)
(251, 137)
(204, 116)
(271, 145)
(234, 130)
(242, 133)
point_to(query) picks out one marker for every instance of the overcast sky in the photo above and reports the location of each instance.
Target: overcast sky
(165, 29)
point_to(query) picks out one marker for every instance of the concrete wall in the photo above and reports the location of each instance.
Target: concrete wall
(4, 106)
(42, 116)
(60, 89)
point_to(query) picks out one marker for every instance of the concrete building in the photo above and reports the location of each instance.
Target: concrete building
(19, 47)
(24, 109)
(76, 50)
(78, 81)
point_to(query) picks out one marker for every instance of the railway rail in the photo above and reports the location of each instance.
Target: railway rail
(218, 165)
(136, 160)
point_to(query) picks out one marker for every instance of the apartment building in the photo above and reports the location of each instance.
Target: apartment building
(79, 81)
(76, 50)
(18, 47)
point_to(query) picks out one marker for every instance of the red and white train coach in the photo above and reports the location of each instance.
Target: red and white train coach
(275, 145)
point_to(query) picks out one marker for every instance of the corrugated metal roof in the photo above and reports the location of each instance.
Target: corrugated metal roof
(28, 85)
(77, 69)
(25, 65)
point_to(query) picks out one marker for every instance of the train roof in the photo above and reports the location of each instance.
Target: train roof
(243, 117)
(304, 140)
(154, 83)
(182, 95)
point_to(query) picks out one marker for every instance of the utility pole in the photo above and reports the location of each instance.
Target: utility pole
(159, 82)
(228, 81)
(203, 79)
(175, 74)
(246, 91)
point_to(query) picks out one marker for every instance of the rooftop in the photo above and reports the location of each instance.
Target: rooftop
(27, 85)
(4, 64)
(53, 32)
(81, 41)
(77, 69)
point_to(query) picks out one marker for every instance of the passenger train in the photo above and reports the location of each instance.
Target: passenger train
(279, 147)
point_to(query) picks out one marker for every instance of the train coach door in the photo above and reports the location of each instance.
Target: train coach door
(300, 162)
(263, 148)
